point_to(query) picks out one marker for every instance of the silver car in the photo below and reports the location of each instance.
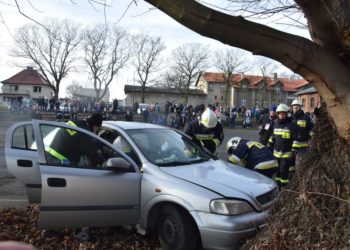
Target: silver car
(137, 174)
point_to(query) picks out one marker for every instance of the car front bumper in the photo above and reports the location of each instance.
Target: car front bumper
(228, 232)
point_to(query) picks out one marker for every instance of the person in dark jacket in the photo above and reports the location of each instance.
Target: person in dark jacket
(252, 155)
(281, 141)
(67, 145)
(304, 133)
(207, 131)
(267, 120)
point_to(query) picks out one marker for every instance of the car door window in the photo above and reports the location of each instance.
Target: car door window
(120, 142)
(23, 138)
(69, 147)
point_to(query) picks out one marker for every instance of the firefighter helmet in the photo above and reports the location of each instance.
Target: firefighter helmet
(209, 119)
(282, 108)
(233, 142)
(296, 102)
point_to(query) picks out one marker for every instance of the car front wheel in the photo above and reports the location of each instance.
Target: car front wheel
(177, 230)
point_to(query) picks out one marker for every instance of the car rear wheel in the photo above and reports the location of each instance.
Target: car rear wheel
(177, 230)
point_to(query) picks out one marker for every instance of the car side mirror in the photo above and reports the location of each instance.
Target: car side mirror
(118, 163)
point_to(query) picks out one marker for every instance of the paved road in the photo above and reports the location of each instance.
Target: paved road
(13, 194)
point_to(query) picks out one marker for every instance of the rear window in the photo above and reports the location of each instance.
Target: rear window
(23, 138)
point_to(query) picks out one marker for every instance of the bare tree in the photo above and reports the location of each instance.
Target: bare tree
(230, 62)
(51, 49)
(188, 60)
(147, 58)
(266, 66)
(74, 88)
(107, 50)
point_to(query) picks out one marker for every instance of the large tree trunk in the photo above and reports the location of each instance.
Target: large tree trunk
(319, 66)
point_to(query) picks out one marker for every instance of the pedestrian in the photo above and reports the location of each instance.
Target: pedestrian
(207, 131)
(252, 155)
(281, 141)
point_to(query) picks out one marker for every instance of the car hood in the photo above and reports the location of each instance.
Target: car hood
(224, 178)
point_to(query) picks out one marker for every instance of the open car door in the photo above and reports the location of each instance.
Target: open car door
(22, 158)
(80, 188)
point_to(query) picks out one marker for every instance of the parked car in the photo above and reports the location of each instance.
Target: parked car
(146, 175)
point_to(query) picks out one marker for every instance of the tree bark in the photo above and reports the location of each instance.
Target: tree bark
(318, 65)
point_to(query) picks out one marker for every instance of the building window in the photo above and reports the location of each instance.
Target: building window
(210, 87)
(303, 101)
(222, 87)
(243, 102)
(215, 97)
(13, 88)
(312, 102)
(222, 98)
(36, 89)
(244, 87)
(278, 89)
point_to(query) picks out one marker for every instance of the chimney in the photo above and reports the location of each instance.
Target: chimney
(242, 75)
(274, 77)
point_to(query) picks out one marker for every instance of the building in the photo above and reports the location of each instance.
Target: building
(90, 93)
(249, 90)
(28, 84)
(309, 97)
(244, 90)
(161, 95)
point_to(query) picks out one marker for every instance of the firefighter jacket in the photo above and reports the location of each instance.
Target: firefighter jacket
(252, 155)
(304, 130)
(69, 145)
(266, 128)
(282, 137)
(210, 138)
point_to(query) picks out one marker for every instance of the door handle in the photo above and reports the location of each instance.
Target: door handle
(24, 163)
(56, 182)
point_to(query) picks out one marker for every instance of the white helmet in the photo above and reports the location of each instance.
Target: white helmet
(209, 119)
(296, 102)
(233, 142)
(282, 108)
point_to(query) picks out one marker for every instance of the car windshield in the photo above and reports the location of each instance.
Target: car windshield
(166, 147)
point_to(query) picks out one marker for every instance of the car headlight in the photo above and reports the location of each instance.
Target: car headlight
(230, 207)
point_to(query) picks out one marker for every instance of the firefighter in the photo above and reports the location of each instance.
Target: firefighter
(65, 149)
(304, 132)
(267, 120)
(281, 141)
(207, 131)
(252, 155)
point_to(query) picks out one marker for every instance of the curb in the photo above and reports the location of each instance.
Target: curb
(13, 203)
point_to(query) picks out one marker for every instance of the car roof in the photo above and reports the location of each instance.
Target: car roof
(133, 125)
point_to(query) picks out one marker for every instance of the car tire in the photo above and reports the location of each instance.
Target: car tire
(177, 230)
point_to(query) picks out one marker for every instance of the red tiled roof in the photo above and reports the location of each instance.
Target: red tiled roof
(254, 80)
(28, 76)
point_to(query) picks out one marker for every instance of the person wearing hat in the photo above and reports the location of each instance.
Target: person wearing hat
(207, 131)
(252, 155)
(281, 141)
(267, 121)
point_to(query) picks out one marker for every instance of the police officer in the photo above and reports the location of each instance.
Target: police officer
(281, 141)
(252, 155)
(304, 131)
(207, 131)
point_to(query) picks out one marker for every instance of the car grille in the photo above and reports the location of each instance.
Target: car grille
(267, 197)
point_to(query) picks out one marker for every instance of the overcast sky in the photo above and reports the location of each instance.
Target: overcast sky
(140, 18)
